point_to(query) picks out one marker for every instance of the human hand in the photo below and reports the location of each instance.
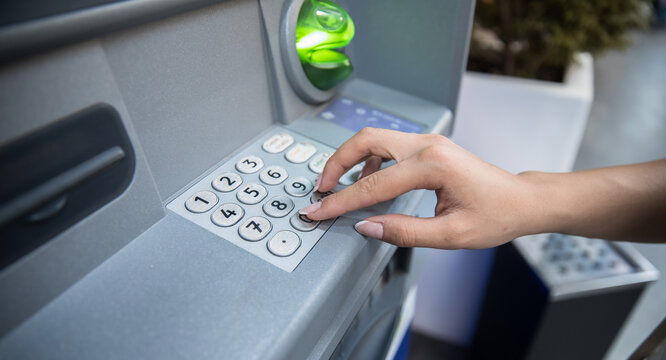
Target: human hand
(478, 204)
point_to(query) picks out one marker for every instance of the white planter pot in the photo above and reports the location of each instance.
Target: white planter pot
(519, 125)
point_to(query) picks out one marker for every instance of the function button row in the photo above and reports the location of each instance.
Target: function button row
(273, 175)
(277, 143)
(298, 187)
(251, 194)
(301, 152)
(227, 182)
(201, 202)
(284, 243)
(278, 206)
(352, 175)
(303, 223)
(255, 228)
(249, 164)
(227, 215)
(317, 164)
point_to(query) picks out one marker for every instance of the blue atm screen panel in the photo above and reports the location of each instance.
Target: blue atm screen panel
(354, 116)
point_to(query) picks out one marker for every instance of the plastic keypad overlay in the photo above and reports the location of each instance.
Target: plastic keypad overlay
(256, 194)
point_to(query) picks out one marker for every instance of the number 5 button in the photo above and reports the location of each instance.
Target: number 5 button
(251, 194)
(227, 215)
(273, 175)
(227, 182)
(249, 164)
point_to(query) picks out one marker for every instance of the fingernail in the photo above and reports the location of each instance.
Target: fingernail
(310, 208)
(370, 229)
(317, 183)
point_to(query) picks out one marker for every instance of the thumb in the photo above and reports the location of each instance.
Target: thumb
(406, 231)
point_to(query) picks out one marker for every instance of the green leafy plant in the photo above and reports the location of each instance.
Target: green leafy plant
(538, 38)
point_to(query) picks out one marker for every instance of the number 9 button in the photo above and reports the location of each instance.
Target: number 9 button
(298, 187)
(278, 206)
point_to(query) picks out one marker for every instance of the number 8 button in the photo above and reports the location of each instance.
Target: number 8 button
(278, 206)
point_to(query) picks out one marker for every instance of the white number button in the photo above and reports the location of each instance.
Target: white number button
(255, 228)
(298, 187)
(277, 143)
(302, 222)
(251, 194)
(249, 164)
(317, 164)
(284, 243)
(273, 175)
(227, 182)
(201, 202)
(301, 152)
(317, 196)
(278, 206)
(227, 214)
(352, 175)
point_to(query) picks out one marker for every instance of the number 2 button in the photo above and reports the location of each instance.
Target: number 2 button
(251, 194)
(227, 182)
(249, 164)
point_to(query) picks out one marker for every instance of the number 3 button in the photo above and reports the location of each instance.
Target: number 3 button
(227, 215)
(249, 164)
(278, 206)
(273, 175)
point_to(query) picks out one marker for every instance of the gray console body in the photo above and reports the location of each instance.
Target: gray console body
(193, 82)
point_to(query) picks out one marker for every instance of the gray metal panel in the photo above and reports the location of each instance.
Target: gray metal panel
(195, 85)
(418, 47)
(33, 94)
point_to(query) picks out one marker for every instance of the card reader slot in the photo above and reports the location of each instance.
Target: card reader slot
(59, 174)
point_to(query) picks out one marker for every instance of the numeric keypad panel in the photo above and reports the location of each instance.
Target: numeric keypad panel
(252, 199)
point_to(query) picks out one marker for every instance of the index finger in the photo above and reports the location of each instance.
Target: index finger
(384, 143)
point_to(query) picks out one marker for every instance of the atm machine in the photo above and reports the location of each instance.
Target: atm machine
(154, 155)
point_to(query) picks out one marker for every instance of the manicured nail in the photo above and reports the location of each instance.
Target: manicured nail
(310, 208)
(370, 229)
(317, 183)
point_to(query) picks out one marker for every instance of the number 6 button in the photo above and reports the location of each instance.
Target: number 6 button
(249, 164)
(227, 215)
(273, 175)
(251, 194)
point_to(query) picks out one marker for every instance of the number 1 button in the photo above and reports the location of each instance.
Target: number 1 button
(249, 164)
(201, 202)
(227, 215)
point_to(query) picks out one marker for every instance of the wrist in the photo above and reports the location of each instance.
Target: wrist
(542, 208)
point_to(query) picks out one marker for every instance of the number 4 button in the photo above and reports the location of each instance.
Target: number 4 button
(227, 214)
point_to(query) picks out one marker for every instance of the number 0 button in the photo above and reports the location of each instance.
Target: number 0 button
(201, 202)
(303, 223)
(284, 243)
(298, 187)
(227, 214)
(227, 182)
(249, 164)
(251, 194)
(278, 206)
(255, 228)
(273, 175)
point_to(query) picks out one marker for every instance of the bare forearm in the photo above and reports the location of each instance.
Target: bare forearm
(619, 203)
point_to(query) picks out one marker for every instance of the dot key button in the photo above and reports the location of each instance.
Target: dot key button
(255, 228)
(298, 187)
(227, 214)
(301, 152)
(278, 206)
(318, 162)
(277, 143)
(251, 194)
(201, 202)
(303, 223)
(284, 243)
(249, 164)
(273, 175)
(227, 182)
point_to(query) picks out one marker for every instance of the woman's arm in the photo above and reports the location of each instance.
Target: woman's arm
(480, 205)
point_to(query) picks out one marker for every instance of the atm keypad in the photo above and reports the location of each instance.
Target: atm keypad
(252, 199)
